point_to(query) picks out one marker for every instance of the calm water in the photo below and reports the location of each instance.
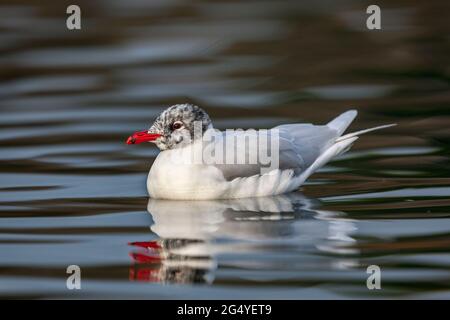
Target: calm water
(72, 192)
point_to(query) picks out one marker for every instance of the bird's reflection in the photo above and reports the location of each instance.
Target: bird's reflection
(198, 238)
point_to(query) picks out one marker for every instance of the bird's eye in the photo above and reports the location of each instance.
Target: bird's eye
(177, 125)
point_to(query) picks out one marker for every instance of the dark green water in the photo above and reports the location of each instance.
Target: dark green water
(72, 192)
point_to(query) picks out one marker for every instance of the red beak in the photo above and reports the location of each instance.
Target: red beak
(142, 136)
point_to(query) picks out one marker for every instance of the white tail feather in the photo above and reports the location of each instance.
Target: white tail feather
(341, 144)
(357, 133)
(336, 149)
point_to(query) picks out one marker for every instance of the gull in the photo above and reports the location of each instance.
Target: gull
(180, 173)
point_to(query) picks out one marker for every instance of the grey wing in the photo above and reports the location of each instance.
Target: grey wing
(299, 146)
(309, 140)
(286, 153)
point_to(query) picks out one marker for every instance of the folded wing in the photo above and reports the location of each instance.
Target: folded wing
(300, 145)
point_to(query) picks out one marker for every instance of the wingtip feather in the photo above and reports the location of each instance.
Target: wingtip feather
(341, 122)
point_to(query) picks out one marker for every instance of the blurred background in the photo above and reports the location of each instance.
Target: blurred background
(72, 192)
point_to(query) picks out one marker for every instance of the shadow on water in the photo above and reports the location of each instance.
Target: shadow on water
(237, 237)
(286, 241)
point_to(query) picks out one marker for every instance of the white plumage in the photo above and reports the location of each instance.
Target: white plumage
(304, 148)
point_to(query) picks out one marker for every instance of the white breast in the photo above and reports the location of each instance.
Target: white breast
(174, 176)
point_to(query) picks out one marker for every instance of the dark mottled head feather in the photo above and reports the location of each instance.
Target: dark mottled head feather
(188, 115)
